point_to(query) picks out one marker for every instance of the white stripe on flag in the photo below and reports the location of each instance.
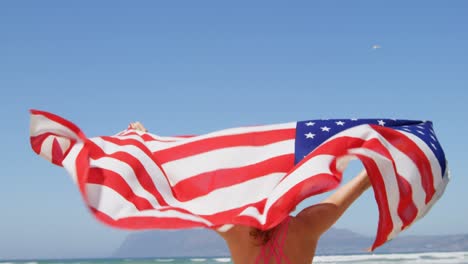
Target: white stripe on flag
(439, 191)
(69, 163)
(41, 124)
(436, 169)
(386, 169)
(222, 199)
(46, 148)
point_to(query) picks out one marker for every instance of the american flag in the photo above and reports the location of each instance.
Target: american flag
(254, 175)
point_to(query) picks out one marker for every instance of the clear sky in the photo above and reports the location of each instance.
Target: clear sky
(190, 67)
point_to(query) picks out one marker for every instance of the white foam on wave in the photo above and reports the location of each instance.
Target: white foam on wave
(429, 257)
(222, 259)
(198, 259)
(164, 260)
(30, 262)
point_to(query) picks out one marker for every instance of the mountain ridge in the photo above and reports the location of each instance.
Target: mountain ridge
(204, 242)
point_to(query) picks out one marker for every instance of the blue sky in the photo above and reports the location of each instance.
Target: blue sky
(191, 67)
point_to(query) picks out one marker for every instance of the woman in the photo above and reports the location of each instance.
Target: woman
(295, 239)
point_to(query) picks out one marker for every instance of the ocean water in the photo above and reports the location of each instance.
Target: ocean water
(409, 258)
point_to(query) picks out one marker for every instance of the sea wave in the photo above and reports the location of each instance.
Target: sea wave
(400, 258)
(29, 262)
(430, 257)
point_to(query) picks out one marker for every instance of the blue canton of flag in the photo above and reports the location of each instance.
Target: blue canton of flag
(312, 133)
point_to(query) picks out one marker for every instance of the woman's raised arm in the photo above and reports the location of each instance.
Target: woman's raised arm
(319, 218)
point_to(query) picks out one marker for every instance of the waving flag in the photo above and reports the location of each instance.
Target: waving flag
(252, 175)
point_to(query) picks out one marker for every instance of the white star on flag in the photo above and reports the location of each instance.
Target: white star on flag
(324, 128)
(309, 135)
(340, 123)
(310, 124)
(381, 122)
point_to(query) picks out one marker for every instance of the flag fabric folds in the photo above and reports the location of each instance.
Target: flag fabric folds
(253, 175)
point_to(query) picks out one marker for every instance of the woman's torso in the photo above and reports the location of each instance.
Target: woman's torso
(289, 244)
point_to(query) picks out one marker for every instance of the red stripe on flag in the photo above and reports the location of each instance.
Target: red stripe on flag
(411, 149)
(146, 222)
(207, 182)
(313, 185)
(185, 136)
(203, 145)
(36, 141)
(234, 217)
(385, 225)
(57, 153)
(407, 210)
(82, 169)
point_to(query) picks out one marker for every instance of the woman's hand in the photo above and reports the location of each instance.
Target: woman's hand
(138, 126)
